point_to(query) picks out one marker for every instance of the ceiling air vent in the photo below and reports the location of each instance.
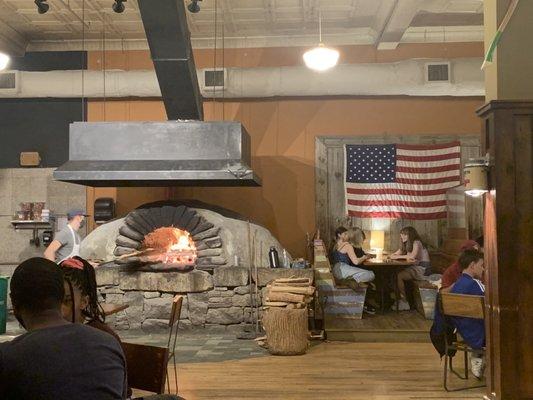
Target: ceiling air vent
(9, 82)
(214, 79)
(438, 72)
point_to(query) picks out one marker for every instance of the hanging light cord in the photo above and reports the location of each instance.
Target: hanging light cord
(85, 58)
(103, 63)
(223, 66)
(215, 62)
(319, 26)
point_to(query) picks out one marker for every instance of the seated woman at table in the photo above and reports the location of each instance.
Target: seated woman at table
(81, 300)
(411, 247)
(356, 237)
(346, 260)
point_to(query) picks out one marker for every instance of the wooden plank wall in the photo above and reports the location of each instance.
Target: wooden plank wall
(329, 183)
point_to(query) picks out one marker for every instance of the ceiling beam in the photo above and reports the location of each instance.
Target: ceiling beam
(11, 42)
(399, 19)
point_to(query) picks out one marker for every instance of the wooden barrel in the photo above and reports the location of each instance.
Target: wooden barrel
(286, 330)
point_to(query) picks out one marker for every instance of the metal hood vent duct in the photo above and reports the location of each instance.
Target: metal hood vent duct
(184, 153)
(165, 24)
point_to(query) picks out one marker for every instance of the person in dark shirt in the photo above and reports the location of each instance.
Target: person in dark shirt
(472, 330)
(47, 362)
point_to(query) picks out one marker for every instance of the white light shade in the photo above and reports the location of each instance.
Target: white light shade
(4, 60)
(377, 239)
(475, 192)
(321, 58)
(475, 178)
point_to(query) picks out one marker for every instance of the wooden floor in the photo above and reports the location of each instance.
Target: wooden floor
(404, 326)
(329, 371)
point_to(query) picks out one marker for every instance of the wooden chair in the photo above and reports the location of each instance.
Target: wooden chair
(147, 365)
(459, 305)
(173, 324)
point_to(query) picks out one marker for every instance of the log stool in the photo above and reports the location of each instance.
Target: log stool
(286, 330)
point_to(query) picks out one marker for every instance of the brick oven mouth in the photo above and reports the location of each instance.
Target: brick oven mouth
(168, 238)
(169, 245)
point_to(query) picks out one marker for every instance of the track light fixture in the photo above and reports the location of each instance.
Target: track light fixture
(194, 7)
(42, 6)
(118, 6)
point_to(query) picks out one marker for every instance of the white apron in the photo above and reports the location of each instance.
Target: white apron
(75, 248)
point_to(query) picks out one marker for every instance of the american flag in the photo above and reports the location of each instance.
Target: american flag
(400, 180)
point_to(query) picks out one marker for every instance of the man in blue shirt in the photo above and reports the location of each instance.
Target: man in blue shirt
(472, 330)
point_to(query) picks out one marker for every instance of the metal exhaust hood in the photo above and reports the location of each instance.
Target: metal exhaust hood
(172, 153)
(181, 151)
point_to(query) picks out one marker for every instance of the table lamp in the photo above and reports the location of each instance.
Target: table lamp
(377, 243)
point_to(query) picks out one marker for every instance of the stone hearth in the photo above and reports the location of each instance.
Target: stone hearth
(217, 291)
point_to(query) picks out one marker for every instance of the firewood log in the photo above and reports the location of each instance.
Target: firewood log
(288, 297)
(276, 283)
(276, 303)
(292, 289)
(295, 280)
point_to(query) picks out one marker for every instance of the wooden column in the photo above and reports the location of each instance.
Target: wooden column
(508, 248)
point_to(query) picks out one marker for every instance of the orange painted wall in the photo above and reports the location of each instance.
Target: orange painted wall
(289, 56)
(283, 131)
(283, 136)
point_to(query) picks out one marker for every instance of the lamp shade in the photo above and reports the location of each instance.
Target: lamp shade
(377, 239)
(475, 178)
(4, 61)
(321, 58)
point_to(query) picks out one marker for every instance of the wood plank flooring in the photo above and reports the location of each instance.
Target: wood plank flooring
(329, 371)
(405, 326)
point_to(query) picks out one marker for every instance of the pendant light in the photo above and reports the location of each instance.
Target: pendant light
(321, 58)
(4, 61)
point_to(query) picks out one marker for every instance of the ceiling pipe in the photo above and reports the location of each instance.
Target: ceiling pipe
(378, 79)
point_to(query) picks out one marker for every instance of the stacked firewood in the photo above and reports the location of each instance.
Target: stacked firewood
(289, 293)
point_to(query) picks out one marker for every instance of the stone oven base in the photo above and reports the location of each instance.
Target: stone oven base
(221, 301)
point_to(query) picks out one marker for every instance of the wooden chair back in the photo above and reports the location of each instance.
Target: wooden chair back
(175, 313)
(147, 366)
(462, 305)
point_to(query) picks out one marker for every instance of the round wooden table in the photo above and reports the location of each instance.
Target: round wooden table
(383, 271)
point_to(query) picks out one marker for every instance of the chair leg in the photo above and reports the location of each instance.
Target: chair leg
(446, 373)
(466, 364)
(456, 372)
(449, 359)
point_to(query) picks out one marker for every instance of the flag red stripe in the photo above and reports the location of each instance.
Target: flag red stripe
(393, 214)
(403, 203)
(397, 191)
(430, 181)
(427, 146)
(428, 170)
(421, 159)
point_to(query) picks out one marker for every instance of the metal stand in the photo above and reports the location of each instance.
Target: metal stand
(35, 226)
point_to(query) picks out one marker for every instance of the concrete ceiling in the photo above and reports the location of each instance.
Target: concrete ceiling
(244, 23)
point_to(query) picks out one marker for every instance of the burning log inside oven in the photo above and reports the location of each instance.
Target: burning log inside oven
(168, 238)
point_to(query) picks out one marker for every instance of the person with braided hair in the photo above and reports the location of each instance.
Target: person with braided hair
(80, 304)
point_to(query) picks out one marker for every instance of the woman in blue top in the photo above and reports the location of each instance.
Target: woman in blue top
(346, 260)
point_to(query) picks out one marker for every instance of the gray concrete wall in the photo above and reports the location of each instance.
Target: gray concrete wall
(31, 184)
